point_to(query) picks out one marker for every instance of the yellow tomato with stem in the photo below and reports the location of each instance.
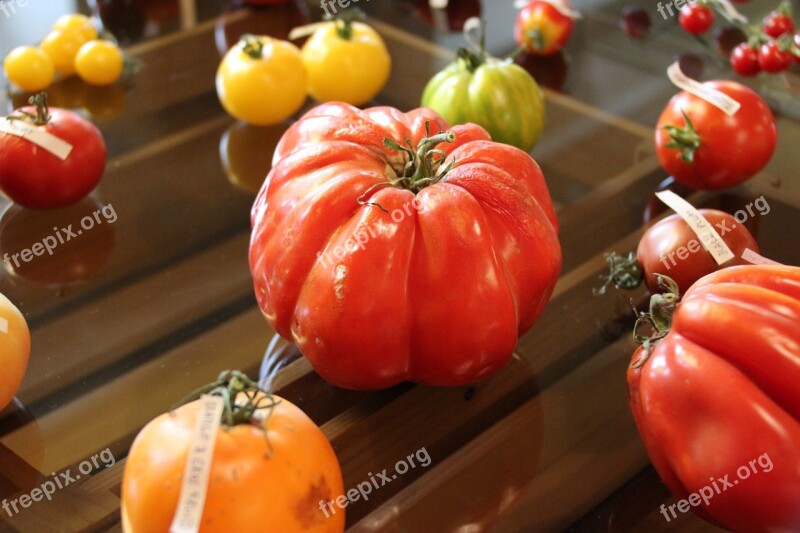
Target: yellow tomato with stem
(15, 347)
(29, 68)
(99, 62)
(347, 61)
(62, 46)
(77, 22)
(262, 80)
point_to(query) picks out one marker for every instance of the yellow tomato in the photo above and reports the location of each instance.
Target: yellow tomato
(62, 46)
(15, 347)
(346, 62)
(77, 22)
(262, 80)
(99, 62)
(29, 68)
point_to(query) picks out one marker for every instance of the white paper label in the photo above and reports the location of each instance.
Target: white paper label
(38, 136)
(709, 238)
(438, 4)
(3, 325)
(724, 102)
(560, 6)
(306, 30)
(753, 258)
(198, 467)
(731, 11)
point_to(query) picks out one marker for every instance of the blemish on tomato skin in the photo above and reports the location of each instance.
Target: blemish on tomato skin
(338, 281)
(307, 510)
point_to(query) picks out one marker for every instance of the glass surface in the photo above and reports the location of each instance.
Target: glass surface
(155, 298)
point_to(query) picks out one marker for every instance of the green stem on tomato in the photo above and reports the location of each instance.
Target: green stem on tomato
(624, 272)
(685, 139)
(252, 46)
(344, 21)
(658, 319)
(42, 116)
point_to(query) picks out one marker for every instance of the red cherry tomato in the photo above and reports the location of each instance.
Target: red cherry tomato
(38, 179)
(744, 60)
(542, 29)
(696, 18)
(772, 59)
(776, 24)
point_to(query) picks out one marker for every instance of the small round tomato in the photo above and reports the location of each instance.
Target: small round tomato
(78, 22)
(36, 178)
(744, 60)
(15, 347)
(347, 61)
(704, 148)
(62, 46)
(772, 58)
(696, 18)
(272, 468)
(541, 28)
(262, 80)
(99, 62)
(777, 23)
(671, 248)
(29, 68)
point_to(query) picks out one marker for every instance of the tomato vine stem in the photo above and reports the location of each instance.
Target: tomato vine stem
(658, 319)
(685, 139)
(624, 272)
(344, 21)
(42, 116)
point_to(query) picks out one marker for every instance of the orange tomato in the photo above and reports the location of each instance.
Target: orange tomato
(15, 347)
(268, 474)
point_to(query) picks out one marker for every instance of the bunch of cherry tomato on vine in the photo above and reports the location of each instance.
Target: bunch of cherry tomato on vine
(770, 46)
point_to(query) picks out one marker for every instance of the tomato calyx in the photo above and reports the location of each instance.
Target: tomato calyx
(422, 167)
(624, 272)
(42, 116)
(658, 319)
(252, 45)
(245, 402)
(344, 21)
(686, 139)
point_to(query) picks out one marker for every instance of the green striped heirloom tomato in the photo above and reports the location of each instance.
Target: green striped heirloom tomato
(391, 247)
(496, 94)
(715, 397)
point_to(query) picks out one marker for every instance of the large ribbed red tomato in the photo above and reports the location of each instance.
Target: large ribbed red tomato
(388, 254)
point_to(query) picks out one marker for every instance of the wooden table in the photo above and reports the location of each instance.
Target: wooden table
(147, 307)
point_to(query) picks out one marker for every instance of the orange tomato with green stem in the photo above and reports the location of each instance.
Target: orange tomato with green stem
(541, 28)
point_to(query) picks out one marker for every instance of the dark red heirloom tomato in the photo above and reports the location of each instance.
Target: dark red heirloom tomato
(704, 148)
(35, 178)
(673, 249)
(716, 401)
(390, 253)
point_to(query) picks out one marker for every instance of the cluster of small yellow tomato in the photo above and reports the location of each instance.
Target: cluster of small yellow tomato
(264, 81)
(71, 47)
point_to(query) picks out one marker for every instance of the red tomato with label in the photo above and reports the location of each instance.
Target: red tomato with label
(715, 399)
(36, 178)
(670, 247)
(381, 261)
(542, 29)
(704, 148)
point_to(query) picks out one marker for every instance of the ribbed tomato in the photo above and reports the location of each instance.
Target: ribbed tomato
(387, 263)
(716, 399)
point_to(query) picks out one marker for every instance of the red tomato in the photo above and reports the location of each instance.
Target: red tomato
(380, 262)
(541, 29)
(36, 178)
(671, 248)
(777, 23)
(744, 60)
(771, 58)
(717, 150)
(696, 18)
(716, 401)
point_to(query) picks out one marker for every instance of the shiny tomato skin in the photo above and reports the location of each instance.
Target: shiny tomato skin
(772, 59)
(552, 28)
(733, 148)
(275, 478)
(37, 179)
(411, 303)
(696, 19)
(15, 348)
(658, 250)
(744, 60)
(720, 390)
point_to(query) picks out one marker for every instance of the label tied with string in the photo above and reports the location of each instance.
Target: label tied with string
(724, 102)
(198, 466)
(38, 136)
(560, 5)
(709, 238)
